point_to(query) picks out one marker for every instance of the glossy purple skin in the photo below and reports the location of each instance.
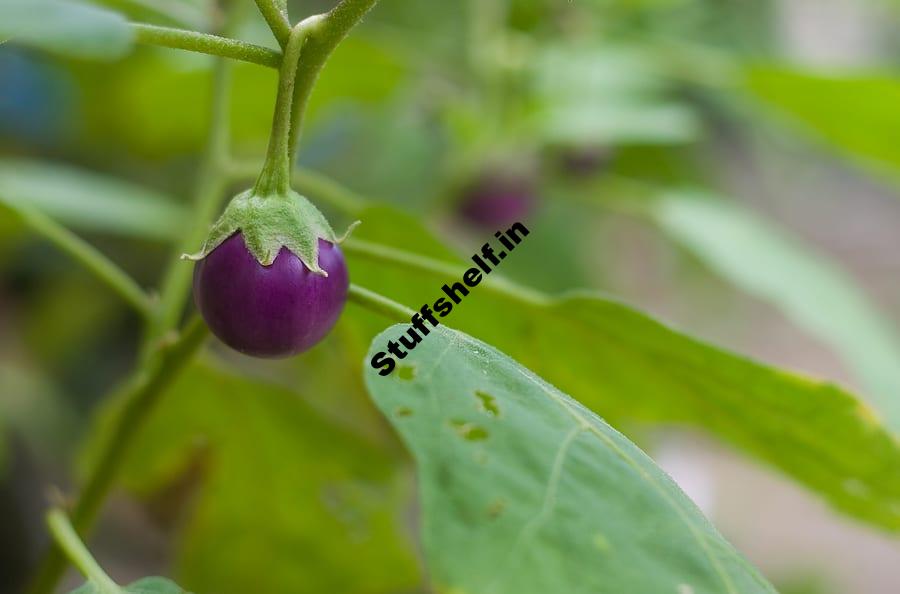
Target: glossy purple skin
(497, 202)
(269, 311)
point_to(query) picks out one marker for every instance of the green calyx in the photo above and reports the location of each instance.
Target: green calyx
(270, 222)
(271, 215)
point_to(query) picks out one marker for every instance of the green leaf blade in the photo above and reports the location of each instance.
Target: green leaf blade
(534, 493)
(68, 28)
(624, 365)
(814, 293)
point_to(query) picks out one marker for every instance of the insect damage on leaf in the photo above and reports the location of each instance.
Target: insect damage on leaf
(536, 500)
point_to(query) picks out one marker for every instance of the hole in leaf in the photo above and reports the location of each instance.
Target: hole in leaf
(488, 403)
(406, 372)
(404, 411)
(469, 431)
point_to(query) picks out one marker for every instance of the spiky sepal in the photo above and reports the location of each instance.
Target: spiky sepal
(271, 222)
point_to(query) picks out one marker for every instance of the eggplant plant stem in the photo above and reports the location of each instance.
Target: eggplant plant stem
(68, 541)
(442, 270)
(140, 396)
(162, 359)
(379, 304)
(275, 177)
(324, 33)
(275, 14)
(206, 44)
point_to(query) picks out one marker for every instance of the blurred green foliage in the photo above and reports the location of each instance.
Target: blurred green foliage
(279, 497)
(283, 477)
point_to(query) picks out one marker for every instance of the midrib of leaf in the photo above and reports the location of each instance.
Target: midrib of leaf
(528, 530)
(584, 424)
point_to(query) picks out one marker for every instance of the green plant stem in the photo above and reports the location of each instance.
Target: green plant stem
(379, 304)
(211, 184)
(275, 177)
(68, 541)
(140, 395)
(311, 184)
(276, 16)
(206, 44)
(388, 255)
(161, 358)
(87, 255)
(324, 33)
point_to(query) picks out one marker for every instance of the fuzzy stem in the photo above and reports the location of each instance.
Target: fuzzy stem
(140, 396)
(325, 33)
(275, 13)
(388, 255)
(275, 177)
(91, 258)
(206, 44)
(67, 539)
(380, 304)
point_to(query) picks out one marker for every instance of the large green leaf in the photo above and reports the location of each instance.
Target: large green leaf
(816, 294)
(525, 491)
(150, 585)
(89, 201)
(66, 27)
(625, 365)
(855, 113)
(288, 502)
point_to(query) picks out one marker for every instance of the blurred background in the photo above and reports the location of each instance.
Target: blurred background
(729, 166)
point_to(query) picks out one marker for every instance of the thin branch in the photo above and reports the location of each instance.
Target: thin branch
(87, 255)
(161, 359)
(275, 177)
(206, 44)
(443, 270)
(325, 33)
(67, 539)
(277, 20)
(380, 304)
(140, 396)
